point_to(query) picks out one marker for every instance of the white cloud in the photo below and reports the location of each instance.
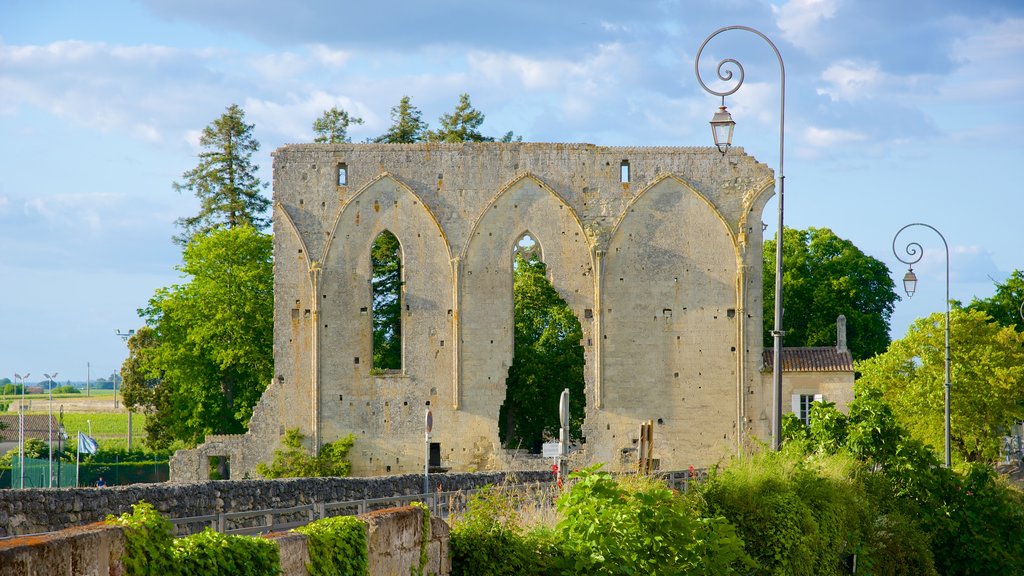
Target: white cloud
(73, 211)
(280, 67)
(799, 20)
(829, 137)
(987, 59)
(330, 57)
(293, 116)
(850, 80)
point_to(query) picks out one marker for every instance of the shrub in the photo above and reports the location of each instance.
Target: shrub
(489, 539)
(639, 526)
(337, 546)
(294, 461)
(148, 538)
(798, 516)
(211, 552)
(151, 549)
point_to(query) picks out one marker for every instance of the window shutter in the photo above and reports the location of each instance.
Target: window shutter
(796, 404)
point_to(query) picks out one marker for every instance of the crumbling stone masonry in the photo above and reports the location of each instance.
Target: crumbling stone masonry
(656, 250)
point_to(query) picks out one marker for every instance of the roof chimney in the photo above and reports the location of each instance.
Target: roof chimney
(841, 333)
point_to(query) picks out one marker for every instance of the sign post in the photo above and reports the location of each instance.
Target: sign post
(563, 433)
(429, 425)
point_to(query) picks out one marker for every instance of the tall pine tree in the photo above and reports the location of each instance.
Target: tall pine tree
(407, 125)
(225, 180)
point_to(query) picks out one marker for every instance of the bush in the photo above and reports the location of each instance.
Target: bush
(642, 527)
(797, 516)
(148, 538)
(211, 552)
(489, 539)
(294, 461)
(337, 546)
(151, 549)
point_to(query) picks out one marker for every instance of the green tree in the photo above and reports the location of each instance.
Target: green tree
(987, 382)
(407, 126)
(211, 354)
(295, 461)
(225, 180)
(825, 276)
(1005, 305)
(548, 359)
(332, 126)
(386, 258)
(462, 125)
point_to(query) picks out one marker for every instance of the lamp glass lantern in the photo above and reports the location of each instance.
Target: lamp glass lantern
(722, 126)
(910, 283)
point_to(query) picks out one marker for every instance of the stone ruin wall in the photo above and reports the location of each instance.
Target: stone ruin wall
(663, 272)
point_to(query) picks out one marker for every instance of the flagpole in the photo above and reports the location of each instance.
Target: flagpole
(78, 459)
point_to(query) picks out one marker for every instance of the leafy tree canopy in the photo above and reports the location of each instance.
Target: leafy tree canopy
(825, 276)
(385, 256)
(209, 354)
(1005, 305)
(461, 125)
(225, 180)
(548, 359)
(407, 126)
(987, 382)
(332, 126)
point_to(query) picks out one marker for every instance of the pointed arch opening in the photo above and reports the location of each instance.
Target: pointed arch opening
(547, 357)
(386, 281)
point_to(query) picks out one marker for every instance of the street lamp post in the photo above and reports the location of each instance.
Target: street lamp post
(21, 425)
(722, 127)
(49, 425)
(914, 253)
(124, 337)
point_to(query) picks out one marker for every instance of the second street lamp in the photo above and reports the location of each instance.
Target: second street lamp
(722, 127)
(914, 253)
(49, 424)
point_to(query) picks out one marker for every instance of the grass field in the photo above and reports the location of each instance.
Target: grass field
(110, 429)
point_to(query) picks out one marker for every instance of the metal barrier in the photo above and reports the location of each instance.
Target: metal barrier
(442, 504)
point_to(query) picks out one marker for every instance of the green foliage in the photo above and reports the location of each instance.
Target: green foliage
(795, 519)
(110, 429)
(926, 519)
(151, 549)
(987, 366)
(210, 353)
(386, 259)
(644, 528)
(547, 359)
(1005, 305)
(407, 125)
(337, 546)
(825, 276)
(210, 552)
(461, 125)
(225, 180)
(66, 389)
(332, 126)
(295, 461)
(489, 539)
(148, 541)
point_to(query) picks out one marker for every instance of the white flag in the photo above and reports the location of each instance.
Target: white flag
(87, 444)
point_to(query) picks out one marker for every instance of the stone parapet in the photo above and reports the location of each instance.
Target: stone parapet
(34, 511)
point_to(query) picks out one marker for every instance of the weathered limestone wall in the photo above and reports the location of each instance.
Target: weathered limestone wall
(395, 537)
(663, 270)
(33, 511)
(834, 386)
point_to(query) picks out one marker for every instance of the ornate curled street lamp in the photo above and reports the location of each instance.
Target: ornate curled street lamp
(722, 128)
(915, 252)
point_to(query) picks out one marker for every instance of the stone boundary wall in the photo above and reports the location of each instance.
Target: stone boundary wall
(394, 541)
(34, 511)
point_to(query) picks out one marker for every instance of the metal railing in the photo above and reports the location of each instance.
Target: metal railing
(442, 504)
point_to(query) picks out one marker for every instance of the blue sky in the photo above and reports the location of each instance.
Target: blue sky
(896, 112)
